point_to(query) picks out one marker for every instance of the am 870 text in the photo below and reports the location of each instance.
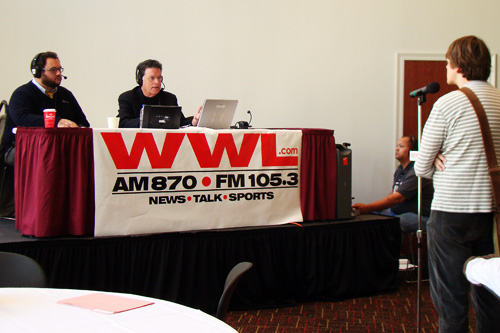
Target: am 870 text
(190, 182)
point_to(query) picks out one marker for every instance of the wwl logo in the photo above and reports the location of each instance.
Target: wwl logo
(164, 157)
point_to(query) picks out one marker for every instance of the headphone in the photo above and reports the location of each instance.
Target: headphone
(139, 73)
(141, 69)
(241, 125)
(244, 124)
(35, 69)
(413, 143)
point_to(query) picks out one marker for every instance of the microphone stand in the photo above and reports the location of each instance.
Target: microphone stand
(421, 100)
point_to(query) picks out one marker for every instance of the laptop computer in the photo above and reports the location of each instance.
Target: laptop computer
(217, 113)
(160, 116)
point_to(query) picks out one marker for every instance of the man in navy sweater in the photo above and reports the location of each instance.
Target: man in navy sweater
(26, 109)
(43, 92)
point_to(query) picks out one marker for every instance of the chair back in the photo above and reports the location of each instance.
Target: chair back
(3, 119)
(17, 270)
(232, 280)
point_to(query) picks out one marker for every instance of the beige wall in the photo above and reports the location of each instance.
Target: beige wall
(317, 63)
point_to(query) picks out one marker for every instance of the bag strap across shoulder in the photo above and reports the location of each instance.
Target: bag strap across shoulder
(489, 148)
(491, 156)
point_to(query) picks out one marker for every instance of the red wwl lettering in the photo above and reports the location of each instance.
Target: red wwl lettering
(269, 157)
(143, 141)
(225, 141)
(206, 158)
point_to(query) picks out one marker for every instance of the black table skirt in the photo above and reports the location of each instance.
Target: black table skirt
(330, 260)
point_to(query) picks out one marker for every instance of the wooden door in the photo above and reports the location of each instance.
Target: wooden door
(417, 74)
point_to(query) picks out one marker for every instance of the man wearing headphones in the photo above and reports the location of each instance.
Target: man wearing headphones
(403, 199)
(149, 91)
(43, 92)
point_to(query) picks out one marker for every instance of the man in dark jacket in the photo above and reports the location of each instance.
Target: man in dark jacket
(149, 91)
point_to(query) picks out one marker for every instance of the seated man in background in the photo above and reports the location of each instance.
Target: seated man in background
(403, 199)
(43, 92)
(149, 91)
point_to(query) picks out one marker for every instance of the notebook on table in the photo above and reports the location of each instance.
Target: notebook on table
(217, 113)
(160, 116)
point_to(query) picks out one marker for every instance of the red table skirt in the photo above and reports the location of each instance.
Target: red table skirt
(54, 199)
(318, 175)
(54, 181)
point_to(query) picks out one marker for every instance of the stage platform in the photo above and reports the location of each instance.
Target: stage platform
(324, 260)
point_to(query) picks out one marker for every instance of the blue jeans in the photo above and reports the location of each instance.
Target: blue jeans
(451, 239)
(407, 221)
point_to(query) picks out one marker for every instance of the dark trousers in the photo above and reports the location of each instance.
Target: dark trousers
(451, 239)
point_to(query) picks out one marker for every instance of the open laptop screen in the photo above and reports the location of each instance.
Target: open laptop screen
(217, 113)
(160, 116)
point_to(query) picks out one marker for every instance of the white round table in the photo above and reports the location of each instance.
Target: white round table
(37, 310)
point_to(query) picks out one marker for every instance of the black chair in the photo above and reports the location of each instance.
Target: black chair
(17, 270)
(6, 173)
(232, 280)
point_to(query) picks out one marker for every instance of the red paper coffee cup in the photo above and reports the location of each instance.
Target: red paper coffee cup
(49, 116)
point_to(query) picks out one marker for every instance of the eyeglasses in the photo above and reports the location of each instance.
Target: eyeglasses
(152, 78)
(54, 70)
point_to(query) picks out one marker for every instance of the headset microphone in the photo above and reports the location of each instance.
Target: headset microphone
(64, 77)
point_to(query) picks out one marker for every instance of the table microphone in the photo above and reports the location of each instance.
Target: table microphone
(243, 124)
(250, 113)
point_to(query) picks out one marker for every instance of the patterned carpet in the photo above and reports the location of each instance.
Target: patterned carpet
(394, 312)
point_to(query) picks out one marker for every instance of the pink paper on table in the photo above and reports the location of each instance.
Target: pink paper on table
(105, 303)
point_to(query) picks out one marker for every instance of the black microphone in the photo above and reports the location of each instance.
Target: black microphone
(243, 124)
(64, 77)
(431, 88)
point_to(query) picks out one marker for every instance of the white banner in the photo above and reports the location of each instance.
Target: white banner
(150, 181)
